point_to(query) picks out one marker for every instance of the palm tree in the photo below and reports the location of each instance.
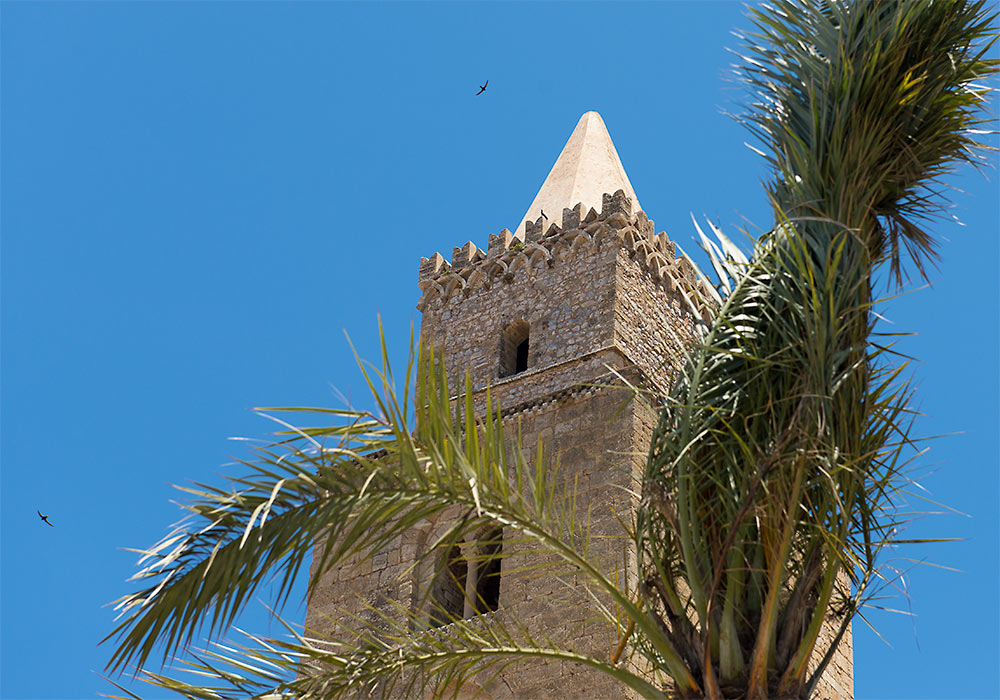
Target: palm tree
(773, 477)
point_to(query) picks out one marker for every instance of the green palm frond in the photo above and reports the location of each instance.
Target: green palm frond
(395, 661)
(862, 107)
(356, 488)
(777, 472)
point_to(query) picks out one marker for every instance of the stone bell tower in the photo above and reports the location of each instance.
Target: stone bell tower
(554, 319)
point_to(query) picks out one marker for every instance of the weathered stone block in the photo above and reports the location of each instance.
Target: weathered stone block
(499, 243)
(616, 203)
(431, 266)
(571, 217)
(460, 257)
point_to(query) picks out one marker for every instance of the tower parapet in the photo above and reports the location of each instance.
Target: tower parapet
(616, 225)
(591, 291)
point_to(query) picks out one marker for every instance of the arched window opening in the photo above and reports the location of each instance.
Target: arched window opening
(489, 551)
(521, 361)
(447, 596)
(467, 584)
(514, 349)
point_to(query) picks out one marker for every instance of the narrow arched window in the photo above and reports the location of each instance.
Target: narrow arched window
(467, 579)
(447, 595)
(489, 555)
(514, 349)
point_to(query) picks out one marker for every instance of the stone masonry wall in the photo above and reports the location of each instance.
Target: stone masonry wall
(653, 327)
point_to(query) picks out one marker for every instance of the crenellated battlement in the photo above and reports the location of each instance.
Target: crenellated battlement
(546, 242)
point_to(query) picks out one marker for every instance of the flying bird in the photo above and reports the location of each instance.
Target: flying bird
(44, 518)
(482, 88)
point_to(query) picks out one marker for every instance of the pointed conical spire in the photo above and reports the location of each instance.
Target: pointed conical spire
(587, 168)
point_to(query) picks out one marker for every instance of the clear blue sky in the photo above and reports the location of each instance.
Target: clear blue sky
(199, 199)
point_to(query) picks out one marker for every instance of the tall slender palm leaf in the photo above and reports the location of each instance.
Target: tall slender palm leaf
(774, 473)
